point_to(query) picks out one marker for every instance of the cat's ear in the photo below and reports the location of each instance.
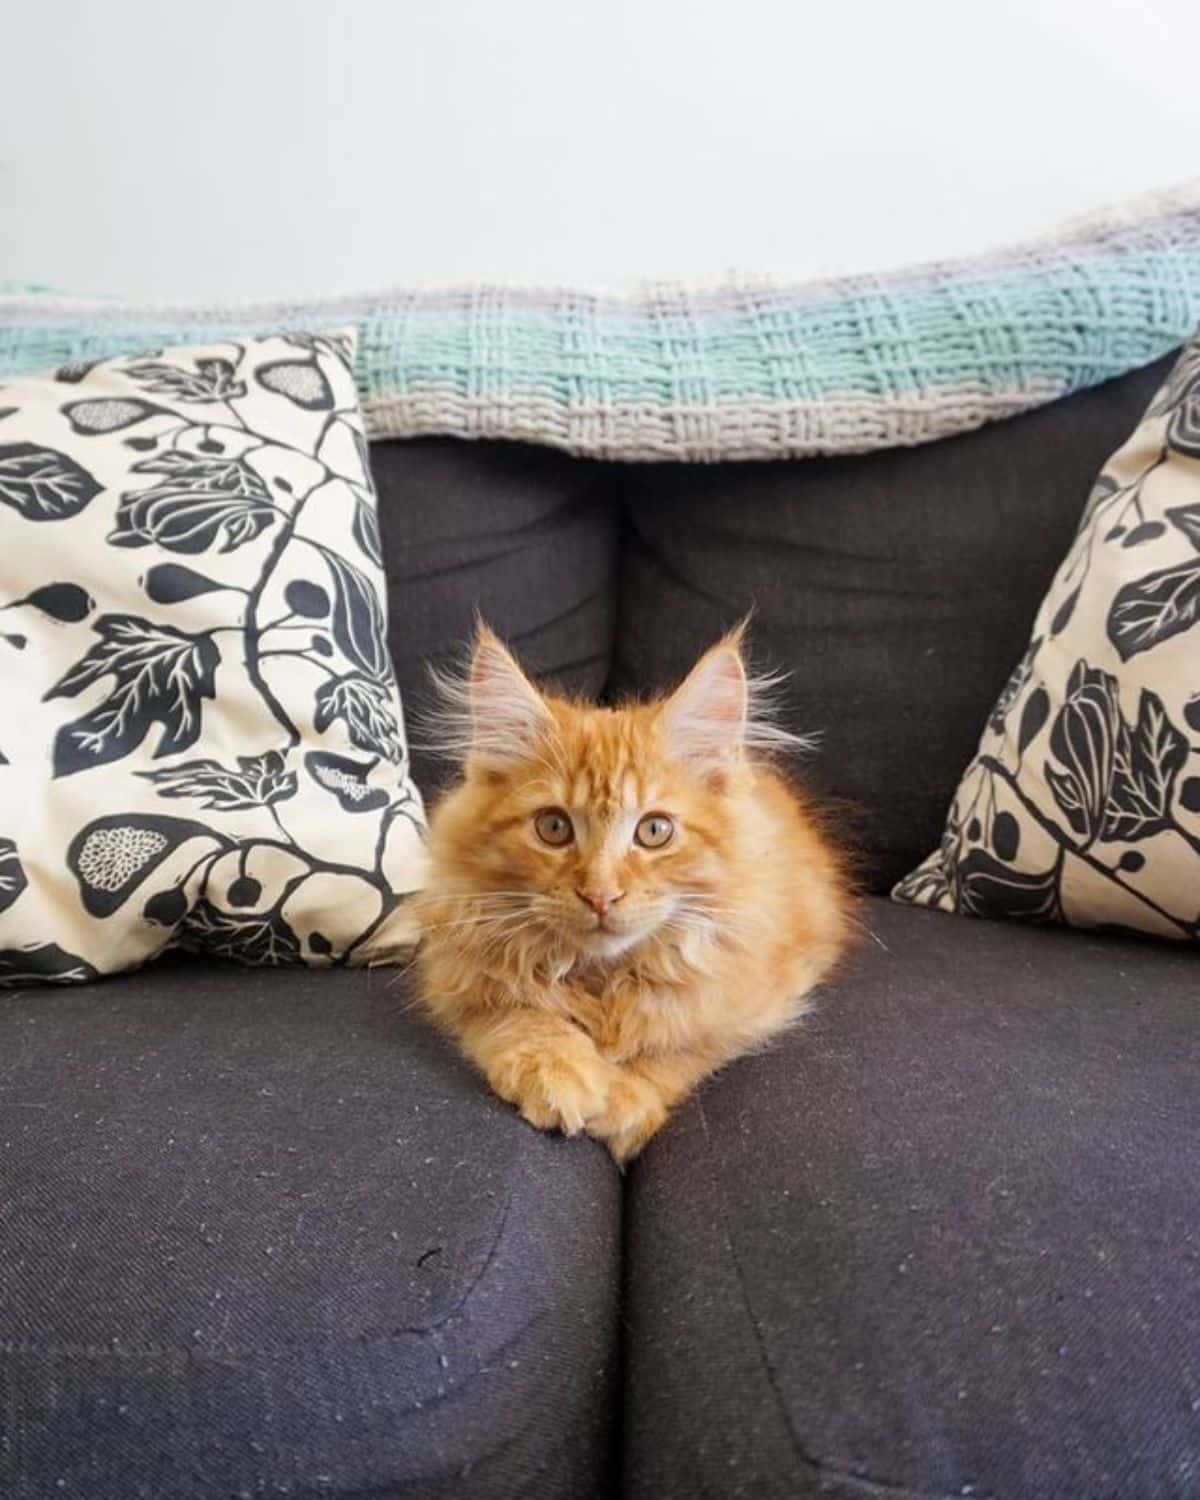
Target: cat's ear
(508, 714)
(704, 719)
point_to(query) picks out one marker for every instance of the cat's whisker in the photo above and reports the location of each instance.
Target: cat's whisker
(713, 913)
(706, 924)
(693, 921)
(468, 917)
(506, 937)
(476, 919)
(478, 895)
(465, 921)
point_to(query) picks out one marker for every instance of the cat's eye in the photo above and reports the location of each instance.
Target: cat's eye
(553, 827)
(654, 831)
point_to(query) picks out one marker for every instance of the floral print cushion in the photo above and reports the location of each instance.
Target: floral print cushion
(1082, 804)
(201, 740)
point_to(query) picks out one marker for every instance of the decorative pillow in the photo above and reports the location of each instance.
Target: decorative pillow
(201, 742)
(1082, 804)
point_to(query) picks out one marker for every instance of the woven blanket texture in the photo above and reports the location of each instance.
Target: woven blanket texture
(743, 369)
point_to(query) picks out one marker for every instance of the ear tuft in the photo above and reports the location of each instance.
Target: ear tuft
(508, 713)
(704, 719)
(491, 710)
(720, 710)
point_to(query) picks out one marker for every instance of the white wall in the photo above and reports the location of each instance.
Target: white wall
(242, 147)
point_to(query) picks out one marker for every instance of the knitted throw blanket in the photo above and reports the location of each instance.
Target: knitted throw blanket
(747, 369)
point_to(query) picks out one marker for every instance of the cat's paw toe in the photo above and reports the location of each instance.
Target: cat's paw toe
(635, 1112)
(562, 1093)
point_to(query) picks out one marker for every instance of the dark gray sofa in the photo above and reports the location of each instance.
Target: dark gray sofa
(263, 1234)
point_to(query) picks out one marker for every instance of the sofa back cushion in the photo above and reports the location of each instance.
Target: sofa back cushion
(896, 587)
(520, 534)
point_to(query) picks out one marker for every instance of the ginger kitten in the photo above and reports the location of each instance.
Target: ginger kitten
(621, 899)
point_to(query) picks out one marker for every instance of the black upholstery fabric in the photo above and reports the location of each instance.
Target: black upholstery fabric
(943, 1241)
(262, 1233)
(520, 534)
(898, 587)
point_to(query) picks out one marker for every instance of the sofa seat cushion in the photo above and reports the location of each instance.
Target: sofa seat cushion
(263, 1233)
(944, 1241)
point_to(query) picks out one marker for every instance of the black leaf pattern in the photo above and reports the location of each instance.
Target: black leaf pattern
(306, 599)
(1151, 610)
(115, 854)
(167, 908)
(363, 451)
(43, 963)
(262, 939)
(210, 380)
(1148, 531)
(1086, 739)
(366, 530)
(171, 583)
(347, 780)
(300, 380)
(1187, 519)
(258, 781)
(198, 500)
(925, 886)
(1006, 836)
(323, 343)
(42, 484)
(72, 373)
(12, 876)
(1148, 762)
(1183, 430)
(1014, 687)
(107, 414)
(1033, 718)
(1104, 488)
(989, 888)
(1062, 615)
(160, 675)
(365, 706)
(65, 602)
(359, 626)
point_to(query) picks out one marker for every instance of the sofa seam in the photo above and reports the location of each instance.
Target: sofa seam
(865, 1484)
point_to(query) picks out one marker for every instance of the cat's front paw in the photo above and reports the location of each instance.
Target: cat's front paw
(555, 1088)
(635, 1112)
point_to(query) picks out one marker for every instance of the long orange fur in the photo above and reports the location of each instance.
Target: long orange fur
(595, 984)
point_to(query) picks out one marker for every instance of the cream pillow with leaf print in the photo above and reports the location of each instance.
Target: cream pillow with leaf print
(1082, 804)
(201, 741)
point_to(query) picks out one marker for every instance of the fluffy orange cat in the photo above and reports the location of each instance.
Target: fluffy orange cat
(621, 899)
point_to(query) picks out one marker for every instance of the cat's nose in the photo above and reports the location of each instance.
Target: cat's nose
(600, 901)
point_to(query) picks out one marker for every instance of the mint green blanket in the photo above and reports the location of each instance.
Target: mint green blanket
(740, 370)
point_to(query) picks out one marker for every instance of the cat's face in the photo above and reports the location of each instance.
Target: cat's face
(605, 837)
(592, 828)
